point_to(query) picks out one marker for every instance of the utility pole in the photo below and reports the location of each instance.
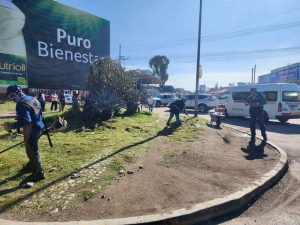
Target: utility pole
(254, 73)
(252, 77)
(198, 61)
(123, 58)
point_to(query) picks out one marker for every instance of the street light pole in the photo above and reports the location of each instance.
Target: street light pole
(198, 61)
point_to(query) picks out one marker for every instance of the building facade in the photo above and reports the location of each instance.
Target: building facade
(286, 74)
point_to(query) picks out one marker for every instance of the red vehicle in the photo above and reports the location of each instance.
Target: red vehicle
(48, 98)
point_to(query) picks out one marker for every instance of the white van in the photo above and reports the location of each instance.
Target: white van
(283, 101)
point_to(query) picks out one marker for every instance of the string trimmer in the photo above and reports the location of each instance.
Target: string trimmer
(193, 121)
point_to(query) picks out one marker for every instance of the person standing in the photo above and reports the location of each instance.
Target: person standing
(150, 101)
(54, 98)
(62, 100)
(177, 107)
(30, 118)
(42, 100)
(256, 101)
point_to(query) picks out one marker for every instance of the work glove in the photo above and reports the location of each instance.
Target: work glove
(7, 126)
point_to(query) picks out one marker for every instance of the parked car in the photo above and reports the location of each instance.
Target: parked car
(205, 102)
(283, 101)
(68, 98)
(163, 99)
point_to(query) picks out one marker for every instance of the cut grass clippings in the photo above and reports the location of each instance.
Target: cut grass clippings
(113, 143)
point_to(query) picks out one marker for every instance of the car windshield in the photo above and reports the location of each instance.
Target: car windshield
(68, 96)
(291, 96)
(158, 96)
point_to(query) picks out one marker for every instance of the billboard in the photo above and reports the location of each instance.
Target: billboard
(287, 74)
(46, 44)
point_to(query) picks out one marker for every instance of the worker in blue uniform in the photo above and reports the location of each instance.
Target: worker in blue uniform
(30, 118)
(256, 101)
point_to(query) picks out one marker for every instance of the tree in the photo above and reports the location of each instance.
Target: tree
(159, 65)
(179, 90)
(243, 83)
(106, 78)
(105, 75)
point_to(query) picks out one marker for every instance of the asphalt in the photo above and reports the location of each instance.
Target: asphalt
(285, 136)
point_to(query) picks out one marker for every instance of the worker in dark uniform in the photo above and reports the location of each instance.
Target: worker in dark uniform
(256, 101)
(42, 100)
(62, 100)
(176, 108)
(30, 118)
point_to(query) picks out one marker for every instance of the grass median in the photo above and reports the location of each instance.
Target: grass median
(113, 143)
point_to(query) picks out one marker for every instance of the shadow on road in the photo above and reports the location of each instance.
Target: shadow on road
(272, 126)
(255, 151)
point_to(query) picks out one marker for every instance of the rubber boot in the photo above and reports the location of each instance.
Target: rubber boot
(27, 168)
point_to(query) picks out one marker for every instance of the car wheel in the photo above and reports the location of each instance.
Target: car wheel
(158, 104)
(283, 120)
(266, 117)
(202, 108)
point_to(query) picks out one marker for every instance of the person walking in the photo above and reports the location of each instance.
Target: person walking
(62, 101)
(54, 98)
(256, 101)
(177, 107)
(150, 101)
(30, 118)
(42, 100)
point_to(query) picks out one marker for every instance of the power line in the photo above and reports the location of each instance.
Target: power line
(154, 46)
(261, 19)
(230, 56)
(223, 30)
(229, 53)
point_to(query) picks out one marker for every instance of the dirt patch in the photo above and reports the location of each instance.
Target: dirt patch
(174, 176)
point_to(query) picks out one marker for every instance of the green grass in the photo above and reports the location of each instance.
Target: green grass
(125, 139)
(169, 154)
(8, 107)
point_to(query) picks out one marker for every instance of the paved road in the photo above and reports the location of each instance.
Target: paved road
(281, 204)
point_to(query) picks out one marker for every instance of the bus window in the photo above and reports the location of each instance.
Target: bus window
(271, 95)
(240, 95)
(225, 95)
(291, 96)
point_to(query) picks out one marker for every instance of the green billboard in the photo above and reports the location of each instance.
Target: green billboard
(46, 44)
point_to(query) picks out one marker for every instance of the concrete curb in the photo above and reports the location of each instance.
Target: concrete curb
(200, 212)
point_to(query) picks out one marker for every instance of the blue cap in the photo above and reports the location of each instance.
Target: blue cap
(253, 89)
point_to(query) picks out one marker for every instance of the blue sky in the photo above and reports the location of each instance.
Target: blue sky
(145, 27)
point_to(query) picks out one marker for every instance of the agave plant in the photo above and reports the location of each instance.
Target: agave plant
(132, 103)
(105, 104)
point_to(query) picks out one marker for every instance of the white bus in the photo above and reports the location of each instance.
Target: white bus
(283, 101)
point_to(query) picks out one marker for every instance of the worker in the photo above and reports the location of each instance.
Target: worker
(54, 98)
(176, 108)
(42, 100)
(30, 118)
(256, 101)
(150, 101)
